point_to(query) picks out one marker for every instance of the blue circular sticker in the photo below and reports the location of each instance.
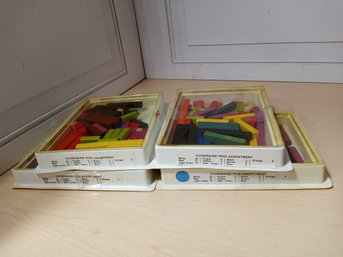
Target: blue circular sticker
(182, 176)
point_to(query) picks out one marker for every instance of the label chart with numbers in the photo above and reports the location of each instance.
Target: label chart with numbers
(231, 177)
(222, 160)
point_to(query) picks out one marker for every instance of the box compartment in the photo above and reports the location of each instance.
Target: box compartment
(269, 156)
(125, 157)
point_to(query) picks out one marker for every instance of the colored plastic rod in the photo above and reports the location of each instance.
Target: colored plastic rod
(111, 144)
(223, 139)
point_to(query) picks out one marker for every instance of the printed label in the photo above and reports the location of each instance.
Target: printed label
(81, 180)
(92, 161)
(229, 177)
(222, 160)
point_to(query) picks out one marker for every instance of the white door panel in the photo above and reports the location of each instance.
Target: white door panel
(55, 53)
(242, 39)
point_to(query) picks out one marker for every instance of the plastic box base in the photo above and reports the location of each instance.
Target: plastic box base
(119, 180)
(309, 174)
(215, 179)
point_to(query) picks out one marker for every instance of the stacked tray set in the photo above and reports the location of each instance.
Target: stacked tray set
(215, 139)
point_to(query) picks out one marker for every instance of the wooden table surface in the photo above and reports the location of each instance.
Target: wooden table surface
(191, 223)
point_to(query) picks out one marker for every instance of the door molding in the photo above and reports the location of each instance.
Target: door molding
(169, 54)
(225, 39)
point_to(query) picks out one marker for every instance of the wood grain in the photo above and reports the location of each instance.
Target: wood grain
(191, 223)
